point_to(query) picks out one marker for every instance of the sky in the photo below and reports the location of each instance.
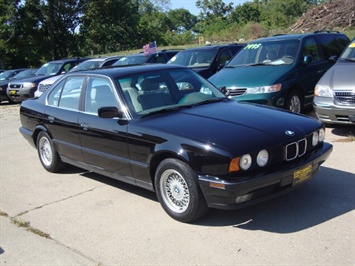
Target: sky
(190, 4)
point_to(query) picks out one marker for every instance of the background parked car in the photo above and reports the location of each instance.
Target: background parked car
(8, 74)
(23, 89)
(141, 58)
(87, 64)
(177, 135)
(282, 70)
(206, 60)
(24, 73)
(334, 94)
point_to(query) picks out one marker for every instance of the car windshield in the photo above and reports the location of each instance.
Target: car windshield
(90, 64)
(266, 53)
(194, 58)
(166, 90)
(49, 69)
(5, 75)
(131, 60)
(349, 52)
(24, 74)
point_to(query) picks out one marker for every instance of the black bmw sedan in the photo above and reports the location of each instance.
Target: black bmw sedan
(166, 129)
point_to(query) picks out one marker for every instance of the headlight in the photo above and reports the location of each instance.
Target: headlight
(315, 138)
(245, 162)
(262, 158)
(318, 136)
(321, 134)
(323, 91)
(264, 89)
(28, 85)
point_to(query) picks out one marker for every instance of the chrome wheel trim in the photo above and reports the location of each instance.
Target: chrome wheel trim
(45, 151)
(295, 104)
(174, 191)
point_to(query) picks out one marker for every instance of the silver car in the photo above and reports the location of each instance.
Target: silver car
(334, 94)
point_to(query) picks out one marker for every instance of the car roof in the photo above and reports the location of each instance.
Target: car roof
(209, 47)
(298, 36)
(127, 70)
(96, 59)
(69, 60)
(158, 52)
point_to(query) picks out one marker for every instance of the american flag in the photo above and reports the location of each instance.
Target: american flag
(150, 48)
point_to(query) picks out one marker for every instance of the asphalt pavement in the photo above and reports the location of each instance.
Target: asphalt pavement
(81, 218)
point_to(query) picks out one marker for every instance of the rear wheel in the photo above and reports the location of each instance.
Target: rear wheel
(294, 102)
(178, 191)
(48, 154)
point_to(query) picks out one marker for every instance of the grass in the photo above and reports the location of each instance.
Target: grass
(25, 224)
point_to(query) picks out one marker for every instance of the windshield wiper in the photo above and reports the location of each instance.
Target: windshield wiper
(185, 106)
(212, 100)
(348, 59)
(167, 109)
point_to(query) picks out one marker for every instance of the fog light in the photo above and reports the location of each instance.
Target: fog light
(243, 198)
(245, 162)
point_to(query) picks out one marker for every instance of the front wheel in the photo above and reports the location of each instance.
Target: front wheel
(178, 191)
(294, 102)
(48, 154)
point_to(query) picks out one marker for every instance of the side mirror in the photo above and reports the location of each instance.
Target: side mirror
(333, 59)
(224, 90)
(307, 59)
(220, 66)
(109, 112)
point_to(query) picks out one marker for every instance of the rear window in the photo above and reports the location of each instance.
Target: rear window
(332, 45)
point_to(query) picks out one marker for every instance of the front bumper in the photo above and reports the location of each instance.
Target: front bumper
(334, 114)
(19, 95)
(222, 194)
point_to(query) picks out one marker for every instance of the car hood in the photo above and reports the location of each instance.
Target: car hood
(231, 126)
(245, 76)
(31, 79)
(340, 77)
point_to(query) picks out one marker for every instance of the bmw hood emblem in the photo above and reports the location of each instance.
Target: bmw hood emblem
(290, 133)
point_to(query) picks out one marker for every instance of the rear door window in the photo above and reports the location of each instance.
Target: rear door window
(310, 47)
(67, 93)
(331, 45)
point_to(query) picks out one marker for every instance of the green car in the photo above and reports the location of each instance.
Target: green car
(282, 70)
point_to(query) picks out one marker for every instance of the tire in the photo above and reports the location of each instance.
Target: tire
(178, 191)
(294, 102)
(48, 154)
(10, 101)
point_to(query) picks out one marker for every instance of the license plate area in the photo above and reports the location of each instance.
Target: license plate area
(302, 174)
(13, 92)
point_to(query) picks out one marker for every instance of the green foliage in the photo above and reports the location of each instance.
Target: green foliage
(110, 25)
(36, 31)
(7, 27)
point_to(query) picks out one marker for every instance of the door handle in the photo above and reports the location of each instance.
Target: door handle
(85, 126)
(51, 118)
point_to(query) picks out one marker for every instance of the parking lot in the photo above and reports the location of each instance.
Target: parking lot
(81, 218)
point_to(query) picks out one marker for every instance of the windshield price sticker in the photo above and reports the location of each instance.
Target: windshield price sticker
(253, 46)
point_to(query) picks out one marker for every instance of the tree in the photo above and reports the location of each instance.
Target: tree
(181, 20)
(213, 14)
(245, 13)
(61, 19)
(110, 26)
(282, 13)
(7, 32)
(212, 9)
